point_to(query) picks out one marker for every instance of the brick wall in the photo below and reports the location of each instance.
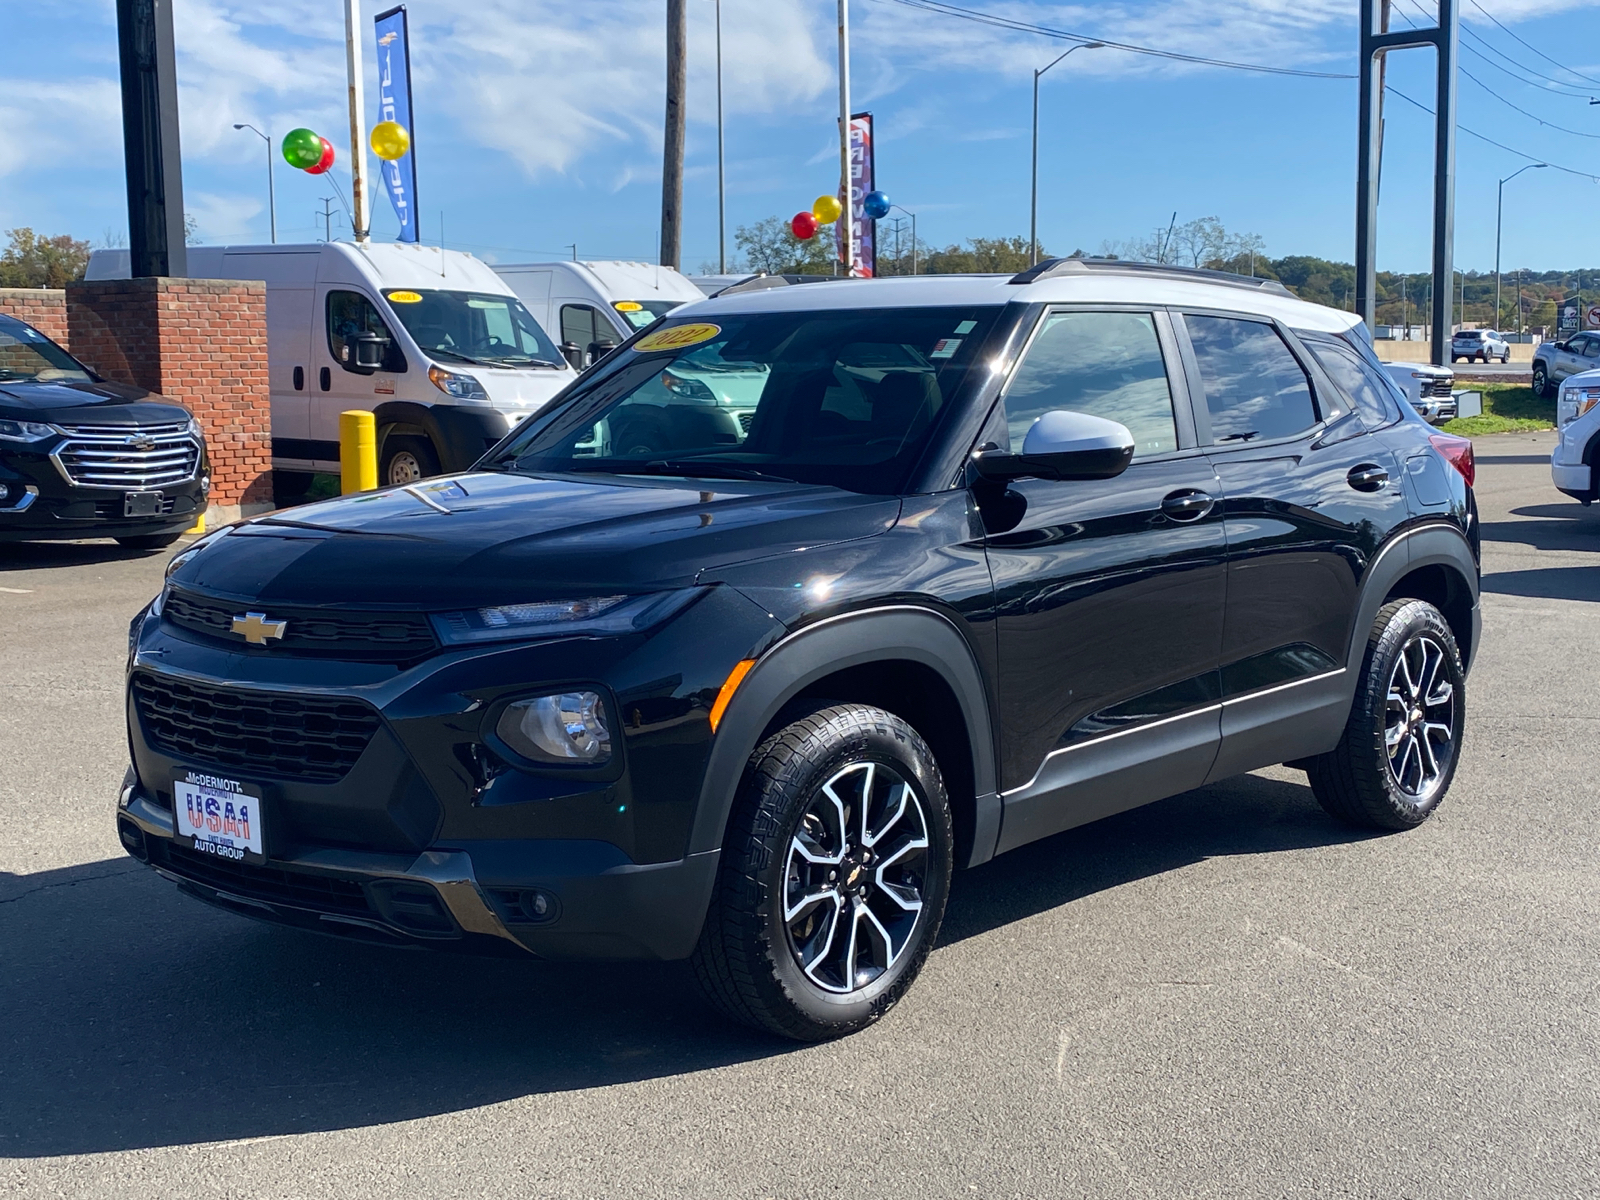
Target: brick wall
(201, 343)
(43, 308)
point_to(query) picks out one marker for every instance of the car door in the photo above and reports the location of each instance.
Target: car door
(1581, 352)
(1108, 593)
(347, 311)
(1308, 498)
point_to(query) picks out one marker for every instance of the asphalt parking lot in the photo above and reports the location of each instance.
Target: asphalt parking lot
(1224, 994)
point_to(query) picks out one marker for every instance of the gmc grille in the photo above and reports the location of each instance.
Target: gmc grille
(256, 733)
(127, 456)
(368, 636)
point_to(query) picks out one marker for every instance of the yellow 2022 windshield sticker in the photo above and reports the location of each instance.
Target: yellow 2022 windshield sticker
(679, 337)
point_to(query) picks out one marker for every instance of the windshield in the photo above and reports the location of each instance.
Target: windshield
(844, 398)
(639, 313)
(26, 354)
(475, 327)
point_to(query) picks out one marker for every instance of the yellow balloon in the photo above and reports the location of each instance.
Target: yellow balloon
(390, 140)
(826, 210)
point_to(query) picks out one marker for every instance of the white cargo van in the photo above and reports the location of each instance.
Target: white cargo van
(432, 341)
(592, 306)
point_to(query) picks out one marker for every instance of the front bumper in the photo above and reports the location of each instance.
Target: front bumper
(41, 505)
(480, 898)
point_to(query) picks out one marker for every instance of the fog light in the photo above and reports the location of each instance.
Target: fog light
(132, 839)
(205, 484)
(569, 727)
(5, 492)
(540, 907)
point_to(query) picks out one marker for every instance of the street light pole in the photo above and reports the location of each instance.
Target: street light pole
(272, 199)
(1499, 206)
(1033, 192)
(913, 217)
(722, 203)
(847, 193)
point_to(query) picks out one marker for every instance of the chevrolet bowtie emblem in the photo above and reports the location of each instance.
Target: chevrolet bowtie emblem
(257, 630)
(140, 441)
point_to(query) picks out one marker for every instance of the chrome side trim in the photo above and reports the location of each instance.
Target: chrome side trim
(1281, 687)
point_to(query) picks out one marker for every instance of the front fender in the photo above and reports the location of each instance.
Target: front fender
(897, 633)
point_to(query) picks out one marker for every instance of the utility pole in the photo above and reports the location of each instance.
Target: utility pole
(672, 144)
(1033, 192)
(846, 192)
(913, 217)
(722, 176)
(327, 218)
(358, 120)
(150, 138)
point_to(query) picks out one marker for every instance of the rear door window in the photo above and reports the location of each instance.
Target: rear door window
(1106, 364)
(1255, 388)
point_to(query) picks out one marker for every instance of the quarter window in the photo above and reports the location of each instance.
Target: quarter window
(1255, 389)
(1106, 364)
(1358, 380)
(350, 313)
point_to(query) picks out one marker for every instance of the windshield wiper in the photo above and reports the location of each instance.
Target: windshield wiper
(689, 468)
(457, 355)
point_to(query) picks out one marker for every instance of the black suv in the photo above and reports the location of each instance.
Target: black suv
(83, 458)
(934, 567)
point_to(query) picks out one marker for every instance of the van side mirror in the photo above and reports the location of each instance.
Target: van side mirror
(1062, 445)
(598, 350)
(369, 352)
(573, 353)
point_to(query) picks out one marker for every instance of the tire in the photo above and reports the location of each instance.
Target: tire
(1379, 774)
(1505, 358)
(149, 541)
(407, 459)
(1541, 381)
(768, 958)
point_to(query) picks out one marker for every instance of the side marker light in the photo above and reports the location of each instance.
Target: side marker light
(729, 687)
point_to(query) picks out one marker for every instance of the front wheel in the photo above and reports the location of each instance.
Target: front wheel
(407, 459)
(833, 876)
(1393, 765)
(1541, 381)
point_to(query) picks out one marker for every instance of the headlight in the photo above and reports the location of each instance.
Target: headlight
(194, 429)
(569, 727)
(457, 383)
(25, 431)
(597, 616)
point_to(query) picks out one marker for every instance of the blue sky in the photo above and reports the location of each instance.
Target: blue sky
(538, 122)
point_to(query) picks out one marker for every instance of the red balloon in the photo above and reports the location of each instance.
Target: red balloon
(804, 225)
(323, 163)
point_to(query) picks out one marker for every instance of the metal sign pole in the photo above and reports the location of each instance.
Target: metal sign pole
(848, 242)
(358, 120)
(150, 138)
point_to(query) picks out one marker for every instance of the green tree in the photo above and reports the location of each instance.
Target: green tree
(31, 261)
(770, 246)
(988, 255)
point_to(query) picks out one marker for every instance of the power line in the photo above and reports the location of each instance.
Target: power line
(1523, 111)
(1531, 46)
(983, 18)
(1541, 81)
(1499, 145)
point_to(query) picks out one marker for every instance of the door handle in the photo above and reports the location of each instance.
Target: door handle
(1188, 505)
(1368, 477)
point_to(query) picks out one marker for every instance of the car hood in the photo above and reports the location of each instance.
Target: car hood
(1421, 368)
(490, 538)
(87, 402)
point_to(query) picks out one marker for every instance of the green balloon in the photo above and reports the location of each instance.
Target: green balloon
(302, 148)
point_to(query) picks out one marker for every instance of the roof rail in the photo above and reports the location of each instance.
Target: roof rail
(1054, 268)
(761, 282)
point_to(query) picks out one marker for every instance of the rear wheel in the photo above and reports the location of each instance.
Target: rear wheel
(833, 876)
(1393, 765)
(407, 459)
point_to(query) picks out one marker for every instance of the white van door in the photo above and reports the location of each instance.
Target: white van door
(290, 278)
(344, 310)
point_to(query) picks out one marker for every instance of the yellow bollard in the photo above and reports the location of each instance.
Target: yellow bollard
(199, 525)
(358, 452)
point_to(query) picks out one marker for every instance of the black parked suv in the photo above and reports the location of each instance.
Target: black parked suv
(990, 559)
(83, 458)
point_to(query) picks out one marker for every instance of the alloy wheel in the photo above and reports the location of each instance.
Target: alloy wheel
(854, 877)
(1419, 719)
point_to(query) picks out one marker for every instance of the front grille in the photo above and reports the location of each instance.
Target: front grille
(128, 456)
(1440, 387)
(746, 419)
(322, 893)
(256, 733)
(369, 636)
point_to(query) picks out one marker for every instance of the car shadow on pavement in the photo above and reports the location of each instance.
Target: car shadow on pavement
(42, 556)
(1249, 814)
(1549, 583)
(136, 1017)
(1548, 527)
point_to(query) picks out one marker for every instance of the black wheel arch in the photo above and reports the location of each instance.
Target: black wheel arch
(1432, 562)
(909, 660)
(460, 433)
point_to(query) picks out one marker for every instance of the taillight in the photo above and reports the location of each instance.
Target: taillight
(1458, 450)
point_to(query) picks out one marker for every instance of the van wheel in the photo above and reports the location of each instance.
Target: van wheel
(407, 459)
(1393, 765)
(833, 877)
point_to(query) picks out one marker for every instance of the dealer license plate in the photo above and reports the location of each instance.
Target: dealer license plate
(220, 816)
(141, 504)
